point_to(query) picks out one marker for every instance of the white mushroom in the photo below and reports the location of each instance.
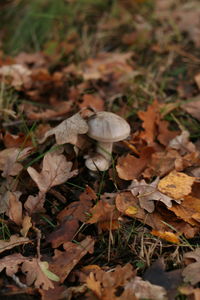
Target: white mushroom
(107, 128)
(97, 163)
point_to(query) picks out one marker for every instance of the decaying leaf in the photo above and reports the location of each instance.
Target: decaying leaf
(104, 214)
(9, 160)
(182, 143)
(154, 127)
(193, 107)
(14, 241)
(145, 290)
(64, 261)
(149, 119)
(37, 272)
(37, 113)
(188, 210)
(127, 204)
(68, 130)
(167, 235)
(55, 170)
(148, 193)
(161, 163)
(11, 263)
(190, 291)
(176, 185)
(130, 167)
(191, 272)
(15, 207)
(11, 205)
(106, 284)
(26, 225)
(79, 209)
(35, 203)
(64, 232)
(92, 101)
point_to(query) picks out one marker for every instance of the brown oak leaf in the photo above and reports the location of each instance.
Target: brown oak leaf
(191, 272)
(130, 167)
(11, 263)
(55, 170)
(148, 193)
(64, 261)
(34, 270)
(14, 241)
(68, 130)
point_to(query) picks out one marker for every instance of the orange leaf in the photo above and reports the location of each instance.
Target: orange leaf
(166, 235)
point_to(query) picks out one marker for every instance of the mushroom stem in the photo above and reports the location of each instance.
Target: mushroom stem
(105, 149)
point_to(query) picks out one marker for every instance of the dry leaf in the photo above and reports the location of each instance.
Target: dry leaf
(35, 204)
(145, 290)
(14, 241)
(94, 285)
(164, 134)
(149, 119)
(176, 185)
(15, 141)
(64, 233)
(182, 143)
(105, 284)
(127, 204)
(26, 225)
(79, 209)
(15, 207)
(190, 291)
(161, 163)
(34, 274)
(9, 160)
(188, 210)
(130, 167)
(167, 235)
(93, 101)
(104, 214)
(64, 261)
(154, 126)
(37, 113)
(148, 193)
(55, 170)
(68, 130)
(197, 80)
(191, 272)
(193, 107)
(11, 263)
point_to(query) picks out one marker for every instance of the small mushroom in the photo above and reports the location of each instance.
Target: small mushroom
(97, 163)
(107, 128)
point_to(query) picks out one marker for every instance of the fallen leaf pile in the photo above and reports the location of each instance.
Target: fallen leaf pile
(131, 232)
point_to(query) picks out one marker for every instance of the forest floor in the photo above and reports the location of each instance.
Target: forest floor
(129, 232)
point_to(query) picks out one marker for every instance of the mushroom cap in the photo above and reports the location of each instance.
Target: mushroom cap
(97, 163)
(107, 127)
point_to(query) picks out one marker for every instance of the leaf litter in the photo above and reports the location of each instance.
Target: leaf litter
(123, 234)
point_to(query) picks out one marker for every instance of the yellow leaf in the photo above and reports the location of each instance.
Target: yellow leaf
(176, 185)
(131, 210)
